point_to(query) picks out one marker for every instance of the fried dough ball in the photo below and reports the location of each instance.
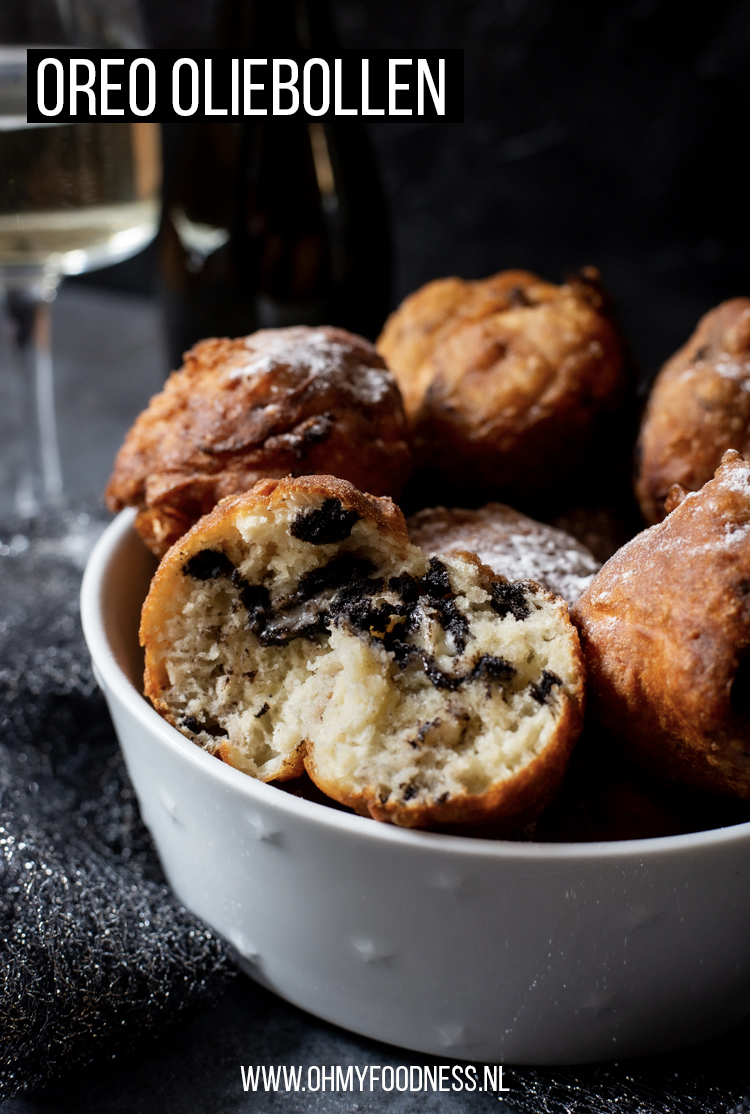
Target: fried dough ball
(606, 797)
(505, 379)
(282, 401)
(699, 407)
(296, 628)
(510, 543)
(665, 630)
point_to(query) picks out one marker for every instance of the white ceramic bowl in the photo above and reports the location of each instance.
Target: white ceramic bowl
(485, 950)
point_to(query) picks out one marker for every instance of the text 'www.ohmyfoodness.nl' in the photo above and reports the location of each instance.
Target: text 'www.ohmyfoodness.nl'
(374, 1077)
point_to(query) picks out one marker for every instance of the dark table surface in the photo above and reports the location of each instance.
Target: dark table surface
(196, 1068)
(109, 359)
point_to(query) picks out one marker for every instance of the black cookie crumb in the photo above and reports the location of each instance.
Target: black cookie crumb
(341, 571)
(437, 677)
(353, 605)
(453, 622)
(541, 691)
(262, 711)
(210, 726)
(435, 583)
(485, 668)
(509, 598)
(491, 668)
(257, 601)
(209, 564)
(404, 586)
(282, 633)
(328, 523)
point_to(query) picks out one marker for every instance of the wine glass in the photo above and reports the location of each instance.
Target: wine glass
(73, 197)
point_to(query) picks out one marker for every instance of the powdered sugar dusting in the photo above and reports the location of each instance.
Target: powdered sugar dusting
(706, 522)
(313, 354)
(737, 478)
(730, 368)
(512, 544)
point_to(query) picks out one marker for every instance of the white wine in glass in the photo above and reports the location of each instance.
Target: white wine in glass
(73, 197)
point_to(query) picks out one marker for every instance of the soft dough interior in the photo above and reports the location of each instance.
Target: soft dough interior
(418, 677)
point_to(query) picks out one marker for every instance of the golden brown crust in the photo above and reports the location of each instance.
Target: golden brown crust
(294, 763)
(212, 528)
(501, 811)
(508, 804)
(211, 532)
(268, 493)
(412, 331)
(699, 407)
(665, 630)
(283, 401)
(506, 379)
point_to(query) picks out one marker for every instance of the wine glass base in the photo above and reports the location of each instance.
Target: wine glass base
(31, 465)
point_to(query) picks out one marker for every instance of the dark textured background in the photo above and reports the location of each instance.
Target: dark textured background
(611, 133)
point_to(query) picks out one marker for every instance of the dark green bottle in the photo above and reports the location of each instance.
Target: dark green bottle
(271, 221)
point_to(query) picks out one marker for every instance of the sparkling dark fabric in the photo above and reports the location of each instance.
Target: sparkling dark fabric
(94, 950)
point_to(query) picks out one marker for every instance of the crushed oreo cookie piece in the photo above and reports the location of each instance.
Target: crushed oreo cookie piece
(453, 622)
(405, 586)
(257, 601)
(266, 707)
(284, 627)
(491, 668)
(438, 677)
(541, 691)
(209, 564)
(509, 598)
(486, 668)
(435, 583)
(324, 525)
(435, 586)
(353, 605)
(210, 726)
(303, 614)
(338, 573)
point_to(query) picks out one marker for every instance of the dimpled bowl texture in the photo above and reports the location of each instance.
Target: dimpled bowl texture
(482, 950)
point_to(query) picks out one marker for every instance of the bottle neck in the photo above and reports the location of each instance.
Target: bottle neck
(269, 27)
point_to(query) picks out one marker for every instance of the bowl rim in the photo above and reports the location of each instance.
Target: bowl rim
(114, 678)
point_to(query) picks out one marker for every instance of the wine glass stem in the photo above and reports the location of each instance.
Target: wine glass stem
(37, 478)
